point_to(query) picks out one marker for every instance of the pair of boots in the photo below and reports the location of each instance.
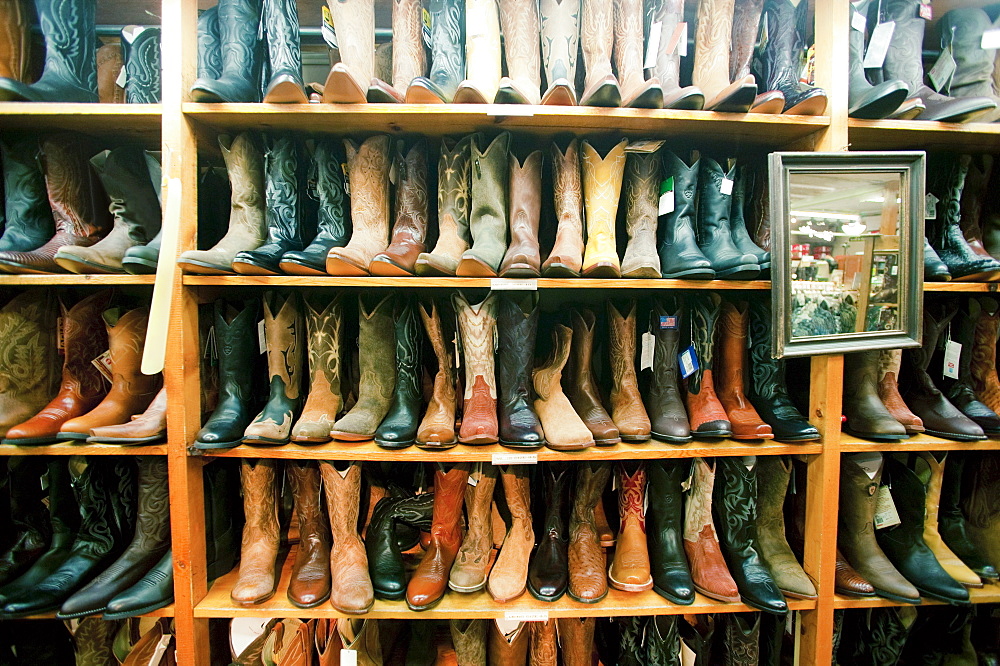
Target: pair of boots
(230, 57)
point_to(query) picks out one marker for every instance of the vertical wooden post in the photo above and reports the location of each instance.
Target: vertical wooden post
(832, 46)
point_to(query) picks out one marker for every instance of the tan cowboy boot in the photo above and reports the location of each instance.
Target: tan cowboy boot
(351, 588)
(587, 581)
(525, 195)
(482, 54)
(348, 81)
(29, 373)
(668, 60)
(630, 568)
(642, 195)
(261, 533)
(627, 410)
(566, 256)
(602, 187)
(597, 38)
(477, 323)
(410, 230)
(636, 91)
(452, 209)
(579, 381)
(325, 399)
(713, 42)
(408, 58)
(560, 45)
(368, 171)
(468, 573)
(564, 429)
(437, 428)
(519, 20)
(509, 576)
(469, 639)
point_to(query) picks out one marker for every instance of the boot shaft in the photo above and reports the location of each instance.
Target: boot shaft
(973, 195)
(477, 324)
(669, 14)
(667, 316)
(152, 530)
(447, 45)
(84, 339)
(324, 329)
(628, 47)
(26, 204)
(642, 186)
(408, 347)
(560, 30)
(520, 23)
(517, 491)
(70, 41)
(704, 311)
(698, 507)
(342, 489)
(713, 41)
(134, 203)
(368, 169)
(411, 192)
(632, 496)
(621, 347)
(376, 341)
(305, 481)
(858, 496)
(283, 192)
(597, 39)
(490, 171)
(142, 66)
(567, 190)
(591, 478)
(234, 341)
(602, 186)
(245, 165)
(774, 474)
(355, 23)
(679, 224)
(746, 24)
(547, 378)
(79, 205)
(714, 207)
(907, 39)
(556, 482)
(910, 498)
(334, 212)
(209, 47)
(442, 352)
(283, 328)
(525, 198)
(105, 494)
(517, 324)
(281, 25)
(449, 494)
(453, 185)
(239, 22)
(780, 61)
(736, 495)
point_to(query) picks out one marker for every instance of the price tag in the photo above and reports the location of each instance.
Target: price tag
(926, 12)
(885, 510)
(514, 284)
(653, 46)
(878, 45)
(261, 337)
(952, 354)
(726, 187)
(103, 364)
(646, 355)
(943, 70)
(326, 29)
(348, 657)
(666, 205)
(858, 21)
(426, 16)
(347, 179)
(526, 616)
(645, 146)
(991, 39)
(930, 206)
(870, 463)
(680, 40)
(894, 271)
(688, 361)
(122, 78)
(749, 462)
(514, 459)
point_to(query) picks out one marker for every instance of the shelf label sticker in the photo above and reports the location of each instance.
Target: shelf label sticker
(885, 510)
(666, 205)
(952, 354)
(858, 21)
(878, 45)
(646, 356)
(688, 361)
(514, 459)
(526, 616)
(510, 110)
(348, 657)
(514, 284)
(653, 45)
(991, 39)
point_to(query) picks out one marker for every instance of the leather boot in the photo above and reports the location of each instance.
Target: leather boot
(549, 569)
(518, 322)
(447, 55)
(468, 573)
(697, 633)
(399, 428)
(946, 181)
(239, 21)
(738, 639)
(736, 493)
(519, 20)
(935, 270)
(737, 222)
(983, 366)
(627, 410)
(543, 648)
(856, 533)
(669, 566)
(70, 73)
(579, 382)
(488, 218)
(636, 91)
(131, 391)
(430, 580)
(576, 638)
(587, 581)
(597, 38)
(361, 636)
(281, 27)
(149, 426)
(28, 222)
(509, 574)
(258, 576)
(889, 362)
(865, 100)
(565, 430)
(284, 204)
(867, 416)
(732, 336)
(349, 79)
(310, 582)
(848, 582)
(482, 54)
(977, 505)
(333, 215)
(566, 256)
(368, 172)
(680, 256)
(437, 427)
(669, 420)
(713, 43)
(960, 391)
(508, 642)
(973, 196)
(247, 224)
(352, 591)
(780, 60)
(385, 560)
(134, 205)
(773, 475)
(283, 327)
(142, 46)
(630, 569)
(904, 544)
(15, 56)
(525, 196)
(477, 324)
(236, 345)
(706, 414)
(78, 203)
(767, 389)
(669, 14)
(150, 542)
(952, 523)
(975, 75)
(408, 59)
(410, 229)
(84, 338)
(30, 530)
(325, 398)
(377, 352)
(663, 639)
(602, 186)
(209, 46)
(746, 28)
(105, 493)
(560, 31)
(452, 208)
(642, 184)
(931, 473)
(714, 228)
(469, 639)
(709, 573)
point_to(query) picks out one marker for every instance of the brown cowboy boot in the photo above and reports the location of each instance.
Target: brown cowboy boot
(324, 401)
(732, 345)
(410, 230)
(564, 429)
(258, 577)
(525, 194)
(566, 257)
(310, 583)
(587, 580)
(509, 576)
(452, 209)
(437, 428)
(468, 573)
(627, 410)
(15, 47)
(477, 323)
(578, 382)
(630, 570)
(430, 580)
(351, 589)
(889, 362)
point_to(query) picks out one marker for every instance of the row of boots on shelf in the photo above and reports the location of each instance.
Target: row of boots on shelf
(631, 54)
(671, 547)
(508, 396)
(678, 220)
(89, 641)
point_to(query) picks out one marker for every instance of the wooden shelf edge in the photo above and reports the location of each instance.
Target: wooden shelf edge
(75, 280)
(962, 286)
(71, 449)
(166, 611)
(460, 282)
(851, 444)
(916, 126)
(990, 594)
(28, 109)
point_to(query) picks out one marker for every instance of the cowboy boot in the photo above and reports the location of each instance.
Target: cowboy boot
(979, 506)
(477, 323)
(28, 222)
(469, 639)
(566, 256)
(669, 420)
(708, 417)
(482, 54)
(258, 577)
(399, 428)
(773, 475)
(239, 21)
(597, 38)
(30, 530)
(209, 46)
(947, 181)
(283, 328)
(548, 573)
(602, 186)
(437, 428)
(519, 20)
(952, 523)
(70, 74)
(142, 64)
(15, 54)
(468, 573)
(627, 410)
(960, 391)
(780, 60)
(848, 582)
(709, 572)
(142, 259)
(236, 345)
(889, 362)
(665, 529)
(579, 385)
(732, 343)
(325, 397)
(378, 371)
(135, 208)
(973, 196)
(149, 426)
(509, 575)
(864, 99)
(429, 581)
(385, 559)
(935, 270)
(642, 185)
(560, 31)
(746, 27)
(543, 646)
(737, 222)
(975, 72)
(714, 225)
(517, 324)
(712, 46)
(110, 63)
(447, 55)
(281, 27)
(349, 79)
(410, 229)
(408, 59)
(680, 256)
(670, 14)
(84, 338)
(636, 91)
(867, 416)
(565, 430)
(368, 173)
(983, 368)
(452, 209)
(587, 581)
(333, 214)
(508, 642)
(630, 568)
(352, 591)
(247, 223)
(310, 582)
(932, 472)
(522, 257)
(488, 217)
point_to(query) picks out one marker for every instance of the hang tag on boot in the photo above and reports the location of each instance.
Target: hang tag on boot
(878, 45)
(646, 356)
(653, 45)
(348, 657)
(261, 337)
(930, 206)
(426, 28)
(926, 11)
(952, 354)
(943, 70)
(885, 510)
(327, 30)
(666, 205)
(991, 40)
(688, 360)
(103, 364)
(858, 21)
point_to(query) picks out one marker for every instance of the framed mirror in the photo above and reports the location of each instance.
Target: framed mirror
(846, 251)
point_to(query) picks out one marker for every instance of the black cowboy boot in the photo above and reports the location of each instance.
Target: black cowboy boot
(680, 256)
(864, 99)
(714, 231)
(31, 530)
(29, 221)
(952, 522)
(399, 427)
(737, 221)
(737, 640)
(239, 22)
(935, 270)
(281, 25)
(517, 322)
(382, 543)
(142, 66)
(947, 180)
(780, 63)
(548, 573)
(665, 531)
(667, 416)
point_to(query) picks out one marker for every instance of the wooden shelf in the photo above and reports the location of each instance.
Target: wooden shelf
(106, 120)
(71, 449)
(851, 444)
(989, 594)
(962, 286)
(166, 611)
(464, 453)
(923, 135)
(443, 119)
(460, 282)
(72, 279)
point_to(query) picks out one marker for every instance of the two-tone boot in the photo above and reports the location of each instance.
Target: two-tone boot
(627, 410)
(642, 190)
(408, 58)
(522, 258)
(325, 399)
(383, 548)
(447, 66)
(351, 589)
(483, 62)
(520, 24)
(430, 579)
(348, 80)
(477, 323)
(579, 383)
(930, 469)
(713, 46)
(452, 209)
(564, 429)
(239, 81)
(437, 427)
(597, 39)
(489, 209)
(706, 414)
(509, 575)
(680, 256)
(399, 428)
(468, 573)
(630, 567)
(560, 30)
(410, 229)
(258, 575)
(368, 174)
(517, 323)
(602, 186)
(664, 405)
(709, 571)
(566, 256)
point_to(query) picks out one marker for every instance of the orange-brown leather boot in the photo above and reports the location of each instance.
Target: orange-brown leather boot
(746, 423)
(984, 352)
(627, 410)
(578, 382)
(437, 428)
(131, 391)
(258, 577)
(430, 580)
(587, 580)
(352, 590)
(701, 544)
(508, 643)
(576, 636)
(544, 650)
(15, 47)
(708, 417)
(889, 362)
(109, 67)
(468, 574)
(509, 576)
(479, 414)
(310, 583)
(409, 233)
(630, 567)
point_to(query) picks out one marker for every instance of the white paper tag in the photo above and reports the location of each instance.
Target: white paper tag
(514, 284)
(991, 39)
(682, 39)
(653, 45)
(930, 206)
(514, 459)
(878, 45)
(473, 481)
(160, 649)
(666, 205)
(726, 187)
(749, 462)
(645, 146)
(122, 78)
(646, 355)
(885, 509)
(327, 30)
(688, 361)
(348, 657)
(894, 271)
(858, 21)
(943, 70)
(261, 337)
(952, 354)
(870, 463)
(526, 616)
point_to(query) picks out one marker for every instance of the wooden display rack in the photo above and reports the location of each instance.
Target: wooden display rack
(182, 127)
